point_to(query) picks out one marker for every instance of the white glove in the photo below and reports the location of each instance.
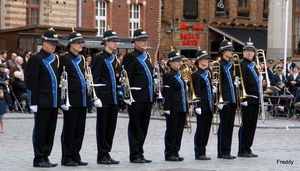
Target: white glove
(260, 77)
(245, 103)
(215, 89)
(198, 110)
(220, 106)
(167, 112)
(236, 81)
(98, 103)
(64, 107)
(127, 101)
(34, 108)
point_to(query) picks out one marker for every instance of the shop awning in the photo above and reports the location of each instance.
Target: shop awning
(240, 36)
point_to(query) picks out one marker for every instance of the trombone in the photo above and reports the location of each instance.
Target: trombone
(260, 56)
(240, 92)
(216, 82)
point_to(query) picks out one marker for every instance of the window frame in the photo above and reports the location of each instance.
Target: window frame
(101, 16)
(32, 7)
(134, 22)
(296, 25)
(187, 6)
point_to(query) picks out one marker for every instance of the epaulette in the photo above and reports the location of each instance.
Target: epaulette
(99, 53)
(149, 57)
(84, 62)
(131, 51)
(36, 52)
(58, 62)
(64, 53)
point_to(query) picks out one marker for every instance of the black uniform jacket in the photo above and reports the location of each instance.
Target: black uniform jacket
(103, 68)
(226, 83)
(19, 87)
(75, 68)
(251, 80)
(42, 79)
(203, 88)
(3, 78)
(139, 71)
(270, 73)
(276, 79)
(173, 92)
(291, 78)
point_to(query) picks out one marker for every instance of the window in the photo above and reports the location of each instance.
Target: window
(32, 12)
(242, 3)
(266, 9)
(190, 9)
(100, 17)
(134, 18)
(221, 9)
(296, 27)
(243, 10)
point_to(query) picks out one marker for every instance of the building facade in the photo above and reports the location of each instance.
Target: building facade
(91, 17)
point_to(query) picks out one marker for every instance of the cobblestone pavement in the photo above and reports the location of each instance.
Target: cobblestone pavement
(276, 142)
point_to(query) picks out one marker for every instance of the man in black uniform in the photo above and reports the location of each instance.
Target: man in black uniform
(137, 63)
(227, 112)
(43, 98)
(103, 69)
(72, 135)
(249, 111)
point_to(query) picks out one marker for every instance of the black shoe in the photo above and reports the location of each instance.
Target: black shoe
(70, 163)
(90, 111)
(202, 157)
(253, 155)
(228, 156)
(81, 163)
(104, 160)
(146, 160)
(52, 164)
(244, 155)
(11, 107)
(137, 161)
(112, 161)
(172, 158)
(41, 164)
(180, 158)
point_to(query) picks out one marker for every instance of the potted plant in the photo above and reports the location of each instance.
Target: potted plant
(243, 11)
(266, 13)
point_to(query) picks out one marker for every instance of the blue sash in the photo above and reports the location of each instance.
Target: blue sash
(108, 62)
(251, 67)
(229, 79)
(75, 63)
(142, 59)
(208, 88)
(178, 78)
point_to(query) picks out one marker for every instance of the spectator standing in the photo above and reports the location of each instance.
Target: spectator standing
(3, 56)
(27, 55)
(11, 61)
(3, 110)
(17, 66)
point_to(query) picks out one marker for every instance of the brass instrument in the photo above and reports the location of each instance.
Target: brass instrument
(240, 93)
(90, 83)
(126, 86)
(260, 56)
(157, 83)
(216, 83)
(63, 85)
(190, 96)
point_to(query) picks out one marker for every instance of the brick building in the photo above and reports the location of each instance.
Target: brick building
(187, 25)
(23, 21)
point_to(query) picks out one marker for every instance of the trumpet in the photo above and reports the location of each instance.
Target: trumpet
(216, 80)
(125, 85)
(190, 96)
(63, 85)
(240, 93)
(90, 83)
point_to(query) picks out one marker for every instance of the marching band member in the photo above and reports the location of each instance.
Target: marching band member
(139, 69)
(227, 112)
(43, 98)
(203, 89)
(75, 114)
(174, 107)
(103, 69)
(250, 110)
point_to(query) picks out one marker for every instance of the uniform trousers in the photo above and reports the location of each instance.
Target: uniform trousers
(202, 132)
(227, 115)
(43, 133)
(105, 129)
(247, 131)
(139, 117)
(175, 122)
(72, 134)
